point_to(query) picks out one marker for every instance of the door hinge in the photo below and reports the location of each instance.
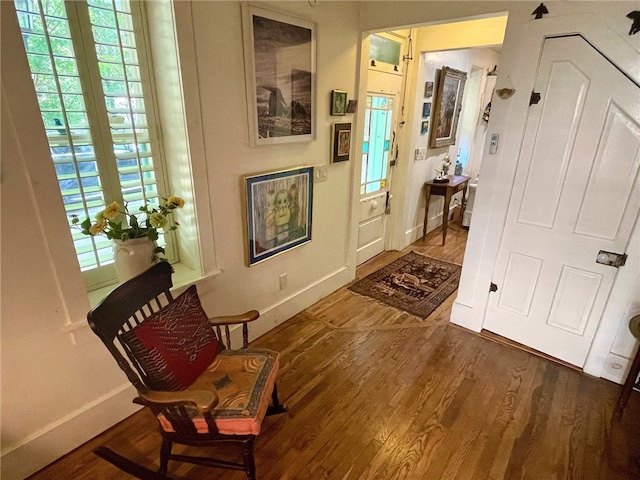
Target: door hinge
(493, 287)
(535, 98)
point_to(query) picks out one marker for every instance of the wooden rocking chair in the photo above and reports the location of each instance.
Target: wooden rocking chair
(182, 366)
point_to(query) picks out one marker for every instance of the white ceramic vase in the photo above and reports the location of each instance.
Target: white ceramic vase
(133, 256)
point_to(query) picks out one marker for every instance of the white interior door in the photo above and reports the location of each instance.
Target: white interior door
(576, 192)
(377, 151)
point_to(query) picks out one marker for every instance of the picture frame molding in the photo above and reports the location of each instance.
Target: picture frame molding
(446, 73)
(248, 34)
(251, 217)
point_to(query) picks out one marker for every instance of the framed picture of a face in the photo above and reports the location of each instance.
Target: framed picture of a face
(280, 65)
(447, 106)
(278, 208)
(340, 142)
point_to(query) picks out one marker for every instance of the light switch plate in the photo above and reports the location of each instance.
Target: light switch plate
(493, 144)
(320, 173)
(420, 153)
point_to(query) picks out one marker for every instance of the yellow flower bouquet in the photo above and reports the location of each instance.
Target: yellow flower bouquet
(117, 223)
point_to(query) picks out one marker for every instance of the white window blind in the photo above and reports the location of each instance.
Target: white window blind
(94, 92)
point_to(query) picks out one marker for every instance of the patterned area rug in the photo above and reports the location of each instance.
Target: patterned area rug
(413, 283)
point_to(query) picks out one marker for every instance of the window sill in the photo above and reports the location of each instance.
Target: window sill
(182, 276)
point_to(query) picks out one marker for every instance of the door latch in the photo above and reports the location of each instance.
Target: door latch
(611, 259)
(535, 98)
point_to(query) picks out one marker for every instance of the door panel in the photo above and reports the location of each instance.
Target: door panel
(576, 192)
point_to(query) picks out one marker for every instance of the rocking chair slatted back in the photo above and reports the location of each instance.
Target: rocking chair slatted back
(125, 311)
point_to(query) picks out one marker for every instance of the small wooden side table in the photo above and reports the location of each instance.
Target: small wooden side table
(634, 328)
(446, 190)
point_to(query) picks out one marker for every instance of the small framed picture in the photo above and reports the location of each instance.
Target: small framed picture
(428, 89)
(278, 208)
(426, 110)
(352, 107)
(338, 102)
(340, 142)
(425, 127)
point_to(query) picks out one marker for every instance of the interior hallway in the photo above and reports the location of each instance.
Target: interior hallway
(374, 393)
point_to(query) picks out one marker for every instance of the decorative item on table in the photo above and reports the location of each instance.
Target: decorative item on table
(443, 170)
(134, 238)
(458, 169)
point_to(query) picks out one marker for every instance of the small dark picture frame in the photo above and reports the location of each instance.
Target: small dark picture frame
(426, 110)
(338, 102)
(425, 127)
(340, 142)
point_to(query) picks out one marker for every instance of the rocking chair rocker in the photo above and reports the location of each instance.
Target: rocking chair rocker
(182, 366)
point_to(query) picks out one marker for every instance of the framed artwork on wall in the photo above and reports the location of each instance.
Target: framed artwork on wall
(278, 208)
(428, 89)
(426, 110)
(425, 127)
(447, 105)
(280, 65)
(340, 142)
(338, 102)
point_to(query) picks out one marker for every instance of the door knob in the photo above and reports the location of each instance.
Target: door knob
(611, 259)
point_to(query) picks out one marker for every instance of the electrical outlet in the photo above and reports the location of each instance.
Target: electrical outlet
(420, 153)
(283, 281)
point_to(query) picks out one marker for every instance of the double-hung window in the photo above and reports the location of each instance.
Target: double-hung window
(94, 88)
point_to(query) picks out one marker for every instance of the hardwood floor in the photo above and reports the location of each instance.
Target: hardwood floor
(374, 393)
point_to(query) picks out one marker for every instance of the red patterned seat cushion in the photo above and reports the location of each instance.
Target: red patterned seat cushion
(175, 345)
(243, 380)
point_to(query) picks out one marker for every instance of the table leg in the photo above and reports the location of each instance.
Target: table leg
(427, 198)
(445, 215)
(628, 387)
(463, 205)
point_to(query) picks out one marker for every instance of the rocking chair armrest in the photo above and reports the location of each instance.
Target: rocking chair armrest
(203, 400)
(246, 317)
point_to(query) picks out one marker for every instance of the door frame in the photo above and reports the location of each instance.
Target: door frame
(520, 57)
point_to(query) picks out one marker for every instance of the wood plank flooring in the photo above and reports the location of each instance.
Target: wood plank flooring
(375, 393)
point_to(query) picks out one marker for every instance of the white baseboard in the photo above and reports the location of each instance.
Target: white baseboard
(274, 315)
(616, 368)
(57, 439)
(463, 316)
(416, 232)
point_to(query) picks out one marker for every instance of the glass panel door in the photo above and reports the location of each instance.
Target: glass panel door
(377, 143)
